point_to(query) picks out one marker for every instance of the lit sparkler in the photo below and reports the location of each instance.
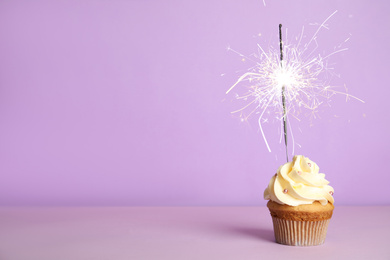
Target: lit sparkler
(287, 85)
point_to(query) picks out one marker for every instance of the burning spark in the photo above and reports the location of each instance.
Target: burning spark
(303, 73)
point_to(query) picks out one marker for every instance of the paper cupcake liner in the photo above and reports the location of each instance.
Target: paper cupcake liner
(300, 233)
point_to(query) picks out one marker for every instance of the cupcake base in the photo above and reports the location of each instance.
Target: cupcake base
(300, 233)
(303, 225)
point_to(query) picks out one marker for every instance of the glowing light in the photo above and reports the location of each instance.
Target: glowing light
(304, 74)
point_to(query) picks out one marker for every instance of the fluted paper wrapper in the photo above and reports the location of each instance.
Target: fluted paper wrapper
(300, 233)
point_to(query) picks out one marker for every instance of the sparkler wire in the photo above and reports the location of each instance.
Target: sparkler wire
(283, 90)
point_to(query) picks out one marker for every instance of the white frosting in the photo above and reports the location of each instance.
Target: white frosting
(299, 182)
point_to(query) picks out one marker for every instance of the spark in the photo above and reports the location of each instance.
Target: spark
(304, 74)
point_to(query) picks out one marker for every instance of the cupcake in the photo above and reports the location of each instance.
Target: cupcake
(300, 203)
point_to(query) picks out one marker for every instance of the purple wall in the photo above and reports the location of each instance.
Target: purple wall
(123, 103)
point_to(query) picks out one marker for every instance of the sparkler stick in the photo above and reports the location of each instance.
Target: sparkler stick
(283, 89)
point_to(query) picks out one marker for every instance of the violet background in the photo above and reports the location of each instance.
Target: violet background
(123, 103)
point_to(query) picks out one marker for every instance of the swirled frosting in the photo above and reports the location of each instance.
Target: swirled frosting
(299, 182)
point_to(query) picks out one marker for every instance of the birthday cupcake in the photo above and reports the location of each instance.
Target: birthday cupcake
(300, 203)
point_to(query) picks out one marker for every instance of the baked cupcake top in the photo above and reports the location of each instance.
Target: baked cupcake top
(299, 182)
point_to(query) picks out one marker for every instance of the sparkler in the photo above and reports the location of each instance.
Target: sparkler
(287, 81)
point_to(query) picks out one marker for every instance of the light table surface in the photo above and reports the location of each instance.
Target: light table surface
(186, 233)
